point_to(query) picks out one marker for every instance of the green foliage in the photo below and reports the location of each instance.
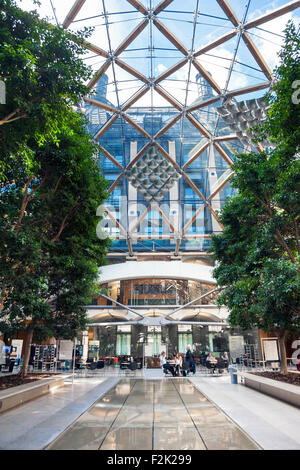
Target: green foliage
(284, 117)
(51, 184)
(258, 253)
(43, 72)
(50, 253)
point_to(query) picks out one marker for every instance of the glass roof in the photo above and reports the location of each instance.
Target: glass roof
(161, 70)
(168, 32)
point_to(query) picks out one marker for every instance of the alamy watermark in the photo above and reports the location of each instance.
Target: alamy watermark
(296, 354)
(2, 92)
(296, 94)
(163, 220)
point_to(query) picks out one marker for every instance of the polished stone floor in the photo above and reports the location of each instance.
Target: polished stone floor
(153, 415)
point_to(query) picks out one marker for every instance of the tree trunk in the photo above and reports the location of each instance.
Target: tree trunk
(27, 349)
(282, 348)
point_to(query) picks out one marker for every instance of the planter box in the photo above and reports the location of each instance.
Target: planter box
(280, 390)
(16, 396)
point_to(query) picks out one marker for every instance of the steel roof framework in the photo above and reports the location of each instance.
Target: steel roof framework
(240, 31)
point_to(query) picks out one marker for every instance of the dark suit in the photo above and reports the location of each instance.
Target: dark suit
(190, 360)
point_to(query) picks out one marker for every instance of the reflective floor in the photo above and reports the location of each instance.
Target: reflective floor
(167, 414)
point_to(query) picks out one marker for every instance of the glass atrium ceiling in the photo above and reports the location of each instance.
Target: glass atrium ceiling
(161, 70)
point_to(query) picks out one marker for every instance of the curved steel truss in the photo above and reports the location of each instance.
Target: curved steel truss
(152, 19)
(162, 319)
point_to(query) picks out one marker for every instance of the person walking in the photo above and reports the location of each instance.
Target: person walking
(189, 358)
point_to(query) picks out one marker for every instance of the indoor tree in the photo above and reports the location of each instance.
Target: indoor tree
(258, 253)
(50, 253)
(42, 68)
(50, 185)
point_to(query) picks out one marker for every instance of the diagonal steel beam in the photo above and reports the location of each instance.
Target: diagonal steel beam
(140, 220)
(168, 97)
(223, 153)
(257, 55)
(131, 70)
(171, 70)
(229, 12)
(274, 14)
(198, 125)
(136, 126)
(139, 6)
(164, 129)
(192, 220)
(207, 76)
(138, 155)
(141, 92)
(121, 305)
(101, 105)
(194, 187)
(195, 300)
(248, 89)
(117, 224)
(73, 13)
(96, 49)
(196, 155)
(115, 183)
(162, 6)
(156, 207)
(132, 36)
(170, 36)
(202, 104)
(106, 126)
(99, 74)
(217, 42)
(224, 138)
(166, 154)
(221, 185)
(111, 158)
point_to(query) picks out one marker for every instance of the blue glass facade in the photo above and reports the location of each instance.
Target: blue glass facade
(196, 221)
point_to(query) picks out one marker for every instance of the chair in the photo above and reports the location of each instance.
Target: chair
(222, 365)
(156, 363)
(150, 363)
(211, 367)
(93, 365)
(185, 368)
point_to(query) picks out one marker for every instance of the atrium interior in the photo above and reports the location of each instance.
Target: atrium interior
(177, 90)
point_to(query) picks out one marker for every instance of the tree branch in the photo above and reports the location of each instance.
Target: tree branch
(27, 198)
(279, 235)
(63, 224)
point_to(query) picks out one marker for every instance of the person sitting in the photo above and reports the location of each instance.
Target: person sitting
(166, 367)
(211, 362)
(224, 363)
(178, 364)
(189, 358)
(225, 357)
